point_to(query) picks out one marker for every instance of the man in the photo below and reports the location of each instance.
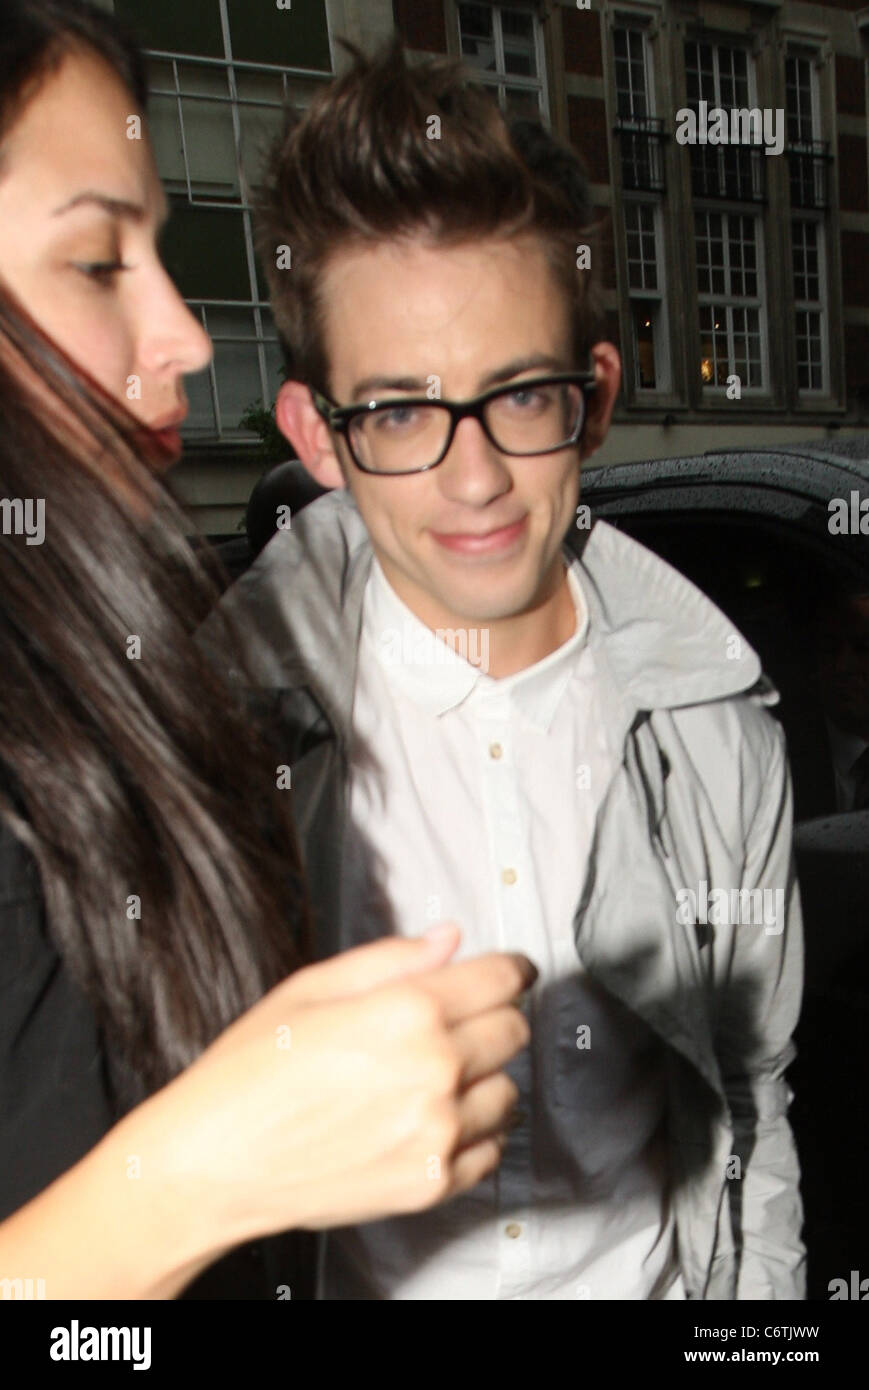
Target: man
(558, 752)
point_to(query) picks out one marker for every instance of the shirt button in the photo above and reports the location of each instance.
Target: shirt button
(508, 876)
(513, 1230)
(495, 750)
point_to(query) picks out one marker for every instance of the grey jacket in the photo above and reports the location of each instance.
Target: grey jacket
(701, 797)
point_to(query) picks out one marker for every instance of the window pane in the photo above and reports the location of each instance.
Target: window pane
(642, 252)
(297, 37)
(201, 419)
(236, 362)
(518, 34)
(713, 345)
(189, 27)
(630, 69)
(645, 313)
(478, 39)
(204, 252)
(798, 95)
(520, 102)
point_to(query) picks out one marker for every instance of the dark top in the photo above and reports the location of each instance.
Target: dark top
(55, 1098)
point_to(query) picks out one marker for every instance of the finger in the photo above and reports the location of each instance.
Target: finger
(378, 963)
(473, 1164)
(469, 987)
(486, 1109)
(489, 1042)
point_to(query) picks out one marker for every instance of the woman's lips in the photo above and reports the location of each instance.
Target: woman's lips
(171, 439)
(487, 543)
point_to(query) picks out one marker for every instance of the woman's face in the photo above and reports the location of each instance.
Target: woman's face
(81, 208)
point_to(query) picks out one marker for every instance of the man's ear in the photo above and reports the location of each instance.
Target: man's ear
(607, 377)
(298, 418)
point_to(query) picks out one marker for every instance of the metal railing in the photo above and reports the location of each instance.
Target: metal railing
(641, 144)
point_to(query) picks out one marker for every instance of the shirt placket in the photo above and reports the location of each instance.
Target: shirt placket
(520, 928)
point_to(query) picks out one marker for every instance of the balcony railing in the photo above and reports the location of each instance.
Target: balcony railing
(641, 140)
(734, 172)
(809, 162)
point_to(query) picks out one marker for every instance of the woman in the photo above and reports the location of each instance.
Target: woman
(157, 1111)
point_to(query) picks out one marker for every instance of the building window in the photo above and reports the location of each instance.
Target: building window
(809, 159)
(808, 155)
(646, 293)
(505, 46)
(220, 73)
(637, 127)
(809, 306)
(639, 134)
(722, 76)
(730, 295)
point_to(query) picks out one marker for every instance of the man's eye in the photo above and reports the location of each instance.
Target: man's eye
(396, 417)
(528, 397)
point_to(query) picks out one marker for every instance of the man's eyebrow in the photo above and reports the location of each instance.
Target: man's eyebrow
(387, 383)
(538, 360)
(116, 207)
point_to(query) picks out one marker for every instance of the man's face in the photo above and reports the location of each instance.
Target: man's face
(478, 537)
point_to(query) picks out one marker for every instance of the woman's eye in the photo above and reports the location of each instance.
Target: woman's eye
(103, 272)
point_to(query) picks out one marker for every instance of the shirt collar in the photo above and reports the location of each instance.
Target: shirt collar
(421, 665)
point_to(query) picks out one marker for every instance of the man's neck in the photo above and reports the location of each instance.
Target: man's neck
(512, 644)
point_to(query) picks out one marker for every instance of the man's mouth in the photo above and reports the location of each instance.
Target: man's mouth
(491, 542)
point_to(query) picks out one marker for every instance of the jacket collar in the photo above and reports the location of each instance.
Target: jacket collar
(658, 641)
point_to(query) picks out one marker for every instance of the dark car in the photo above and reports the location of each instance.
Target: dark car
(776, 538)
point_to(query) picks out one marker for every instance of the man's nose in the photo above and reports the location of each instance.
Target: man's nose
(473, 470)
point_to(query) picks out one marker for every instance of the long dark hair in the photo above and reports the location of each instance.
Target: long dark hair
(168, 863)
(35, 37)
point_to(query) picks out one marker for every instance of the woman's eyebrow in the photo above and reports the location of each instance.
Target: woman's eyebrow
(117, 207)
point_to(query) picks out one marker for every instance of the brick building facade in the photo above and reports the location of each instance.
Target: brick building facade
(737, 283)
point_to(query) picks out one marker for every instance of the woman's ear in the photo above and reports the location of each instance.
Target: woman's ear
(299, 420)
(607, 378)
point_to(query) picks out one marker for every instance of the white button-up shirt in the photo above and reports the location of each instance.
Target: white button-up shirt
(474, 799)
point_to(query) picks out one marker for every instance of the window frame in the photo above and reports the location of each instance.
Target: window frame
(500, 79)
(820, 306)
(711, 391)
(241, 201)
(658, 296)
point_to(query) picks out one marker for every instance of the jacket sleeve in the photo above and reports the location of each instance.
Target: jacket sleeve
(757, 1017)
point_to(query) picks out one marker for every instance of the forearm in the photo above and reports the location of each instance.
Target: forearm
(120, 1224)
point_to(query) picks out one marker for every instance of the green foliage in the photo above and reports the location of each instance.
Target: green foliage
(261, 421)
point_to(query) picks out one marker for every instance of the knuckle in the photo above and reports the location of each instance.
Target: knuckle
(443, 1131)
(511, 1091)
(417, 1012)
(445, 1072)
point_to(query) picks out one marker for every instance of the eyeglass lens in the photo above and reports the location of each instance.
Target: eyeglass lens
(533, 419)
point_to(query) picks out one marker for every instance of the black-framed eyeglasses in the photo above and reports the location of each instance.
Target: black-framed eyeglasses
(411, 434)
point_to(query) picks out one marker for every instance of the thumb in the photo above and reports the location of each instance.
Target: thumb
(378, 963)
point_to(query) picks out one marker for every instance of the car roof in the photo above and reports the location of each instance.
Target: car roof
(798, 473)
